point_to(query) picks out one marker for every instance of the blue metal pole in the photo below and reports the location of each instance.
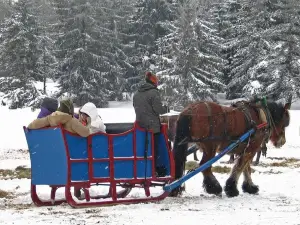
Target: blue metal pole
(177, 183)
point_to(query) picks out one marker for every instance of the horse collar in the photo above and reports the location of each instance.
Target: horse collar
(270, 121)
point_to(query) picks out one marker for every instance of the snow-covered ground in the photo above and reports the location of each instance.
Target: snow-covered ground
(278, 201)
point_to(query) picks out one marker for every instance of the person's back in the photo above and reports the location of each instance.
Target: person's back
(147, 104)
(92, 118)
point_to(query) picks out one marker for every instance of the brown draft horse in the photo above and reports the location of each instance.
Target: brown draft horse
(171, 121)
(213, 127)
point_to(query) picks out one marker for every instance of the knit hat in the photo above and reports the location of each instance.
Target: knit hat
(50, 103)
(152, 78)
(66, 106)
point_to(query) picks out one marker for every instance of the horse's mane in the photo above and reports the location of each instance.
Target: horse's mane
(277, 111)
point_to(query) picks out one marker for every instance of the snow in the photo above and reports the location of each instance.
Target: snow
(277, 203)
(255, 84)
(171, 113)
(51, 86)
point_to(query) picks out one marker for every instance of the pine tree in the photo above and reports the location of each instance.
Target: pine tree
(196, 72)
(18, 56)
(250, 48)
(279, 74)
(46, 20)
(113, 18)
(226, 16)
(266, 59)
(84, 74)
(5, 12)
(150, 25)
(5, 9)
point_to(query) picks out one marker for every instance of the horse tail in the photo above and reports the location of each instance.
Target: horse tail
(182, 138)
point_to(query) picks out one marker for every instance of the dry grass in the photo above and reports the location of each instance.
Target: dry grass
(221, 169)
(19, 173)
(286, 162)
(271, 172)
(190, 165)
(5, 194)
(23, 172)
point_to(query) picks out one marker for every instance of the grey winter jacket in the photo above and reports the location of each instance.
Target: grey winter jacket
(148, 106)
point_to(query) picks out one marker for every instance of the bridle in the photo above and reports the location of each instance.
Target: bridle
(271, 122)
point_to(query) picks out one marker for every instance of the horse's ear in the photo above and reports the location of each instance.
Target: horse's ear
(287, 106)
(289, 103)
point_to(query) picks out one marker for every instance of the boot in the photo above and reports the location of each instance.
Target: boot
(161, 171)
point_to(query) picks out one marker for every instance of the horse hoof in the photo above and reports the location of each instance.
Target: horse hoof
(255, 163)
(176, 192)
(251, 189)
(173, 194)
(212, 186)
(230, 161)
(231, 189)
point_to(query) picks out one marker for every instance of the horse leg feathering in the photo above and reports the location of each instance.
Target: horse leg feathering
(248, 185)
(240, 164)
(210, 183)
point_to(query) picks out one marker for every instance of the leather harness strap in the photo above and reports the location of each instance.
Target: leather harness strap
(248, 119)
(209, 119)
(225, 121)
(265, 116)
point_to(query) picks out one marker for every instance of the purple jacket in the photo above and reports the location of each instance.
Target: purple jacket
(44, 112)
(76, 116)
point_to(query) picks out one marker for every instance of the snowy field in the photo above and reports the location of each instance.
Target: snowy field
(277, 203)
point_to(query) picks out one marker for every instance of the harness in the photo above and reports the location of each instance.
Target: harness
(264, 116)
(244, 107)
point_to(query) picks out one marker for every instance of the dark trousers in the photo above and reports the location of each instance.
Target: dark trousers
(156, 147)
(160, 169)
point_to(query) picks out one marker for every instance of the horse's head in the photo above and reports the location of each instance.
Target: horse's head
(281, 120)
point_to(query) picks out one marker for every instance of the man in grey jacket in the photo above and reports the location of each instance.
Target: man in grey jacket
(148, 106)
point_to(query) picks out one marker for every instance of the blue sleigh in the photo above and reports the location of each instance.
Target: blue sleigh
(122, 158)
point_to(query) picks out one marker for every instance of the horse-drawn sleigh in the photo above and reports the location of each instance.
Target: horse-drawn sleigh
(124, 158)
